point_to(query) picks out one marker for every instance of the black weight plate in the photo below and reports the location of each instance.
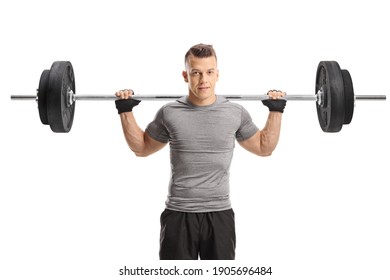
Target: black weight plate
(331, 111)
(42, 93)
(61, 80)
(349, 96)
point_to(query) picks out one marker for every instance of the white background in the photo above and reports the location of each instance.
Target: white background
(82, 206)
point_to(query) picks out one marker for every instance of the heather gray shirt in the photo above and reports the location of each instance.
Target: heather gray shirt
(201, 140)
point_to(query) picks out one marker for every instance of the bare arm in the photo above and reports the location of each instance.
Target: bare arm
(139, 142)
(264, 142)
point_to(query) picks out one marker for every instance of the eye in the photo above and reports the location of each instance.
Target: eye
(210, 72)
(195, 73)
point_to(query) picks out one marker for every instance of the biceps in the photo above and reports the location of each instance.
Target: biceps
(152, 145)
(251, 144)
(254, 145)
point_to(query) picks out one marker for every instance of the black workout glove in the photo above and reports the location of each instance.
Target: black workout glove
(126, 105)
(275, 105)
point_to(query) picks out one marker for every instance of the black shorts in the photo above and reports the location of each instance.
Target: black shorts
(189, 236)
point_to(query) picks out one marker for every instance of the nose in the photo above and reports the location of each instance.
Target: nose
(203, 78)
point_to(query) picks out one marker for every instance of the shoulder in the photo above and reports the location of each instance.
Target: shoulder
(170, 109)
(228, 104)
(172, 105)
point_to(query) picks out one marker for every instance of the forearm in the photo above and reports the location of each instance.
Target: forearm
(269, 135)
(134, 135)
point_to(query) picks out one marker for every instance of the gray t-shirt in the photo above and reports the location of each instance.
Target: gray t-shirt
(201, 140)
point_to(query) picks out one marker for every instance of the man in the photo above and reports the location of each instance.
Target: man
(201, 128)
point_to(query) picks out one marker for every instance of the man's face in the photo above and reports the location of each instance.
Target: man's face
(201, 75)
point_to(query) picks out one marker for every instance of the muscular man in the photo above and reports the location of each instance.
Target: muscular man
(201, 129)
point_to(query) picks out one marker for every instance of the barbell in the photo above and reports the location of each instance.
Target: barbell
(334, 96)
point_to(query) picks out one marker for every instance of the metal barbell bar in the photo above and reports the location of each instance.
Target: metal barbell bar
(303, 97)
(334, 96)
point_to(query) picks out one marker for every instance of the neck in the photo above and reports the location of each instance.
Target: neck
(202, 101)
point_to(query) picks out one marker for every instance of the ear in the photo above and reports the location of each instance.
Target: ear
(185, 76)
(217, 74)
